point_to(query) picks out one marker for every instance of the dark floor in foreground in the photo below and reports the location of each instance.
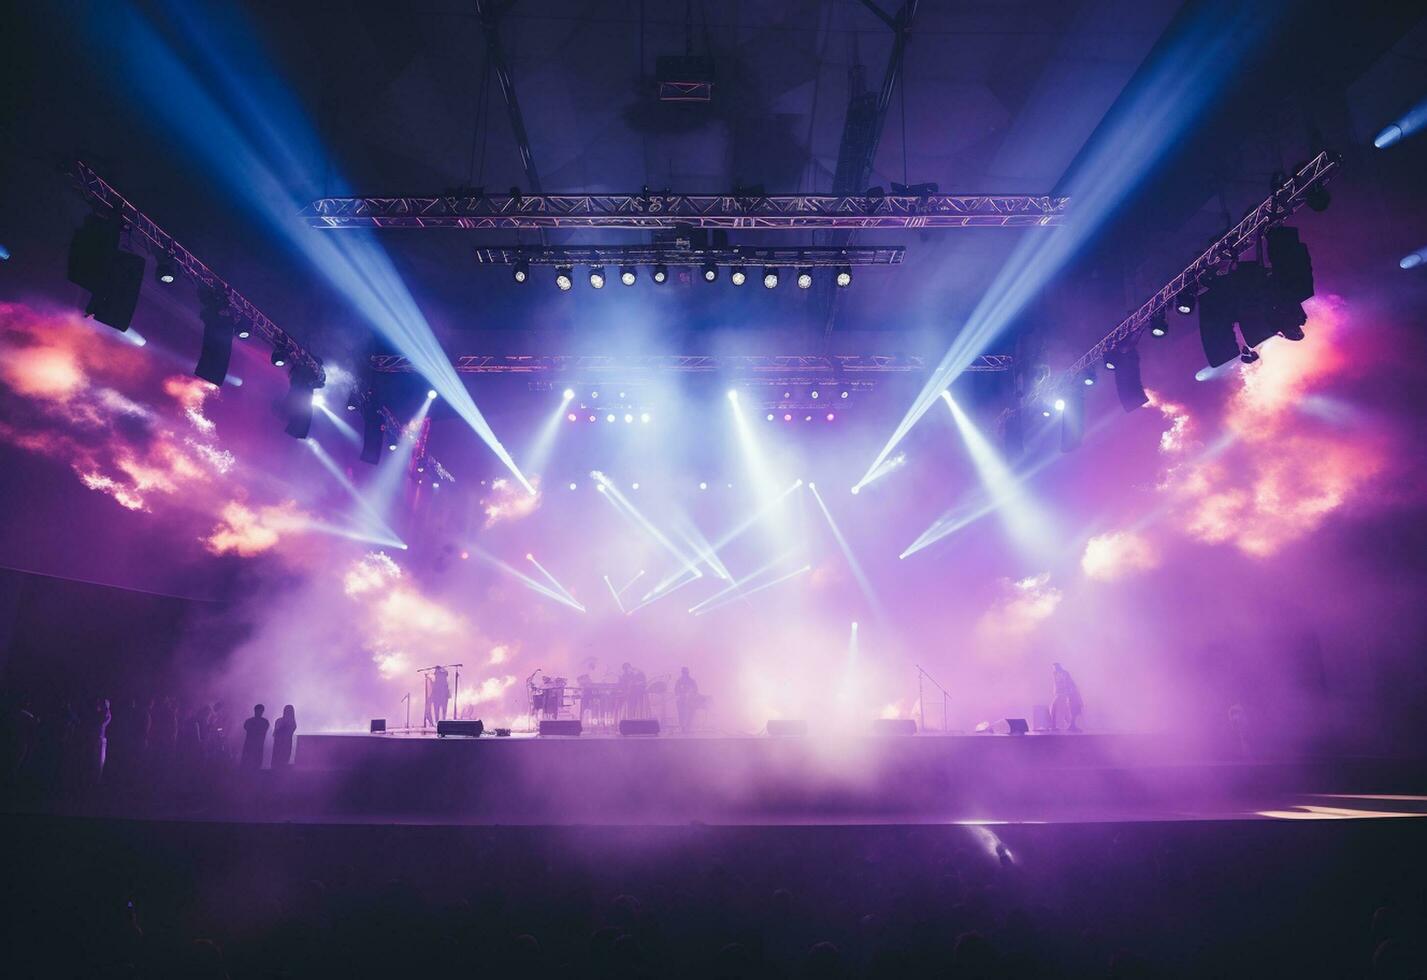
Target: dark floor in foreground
(1207, 898)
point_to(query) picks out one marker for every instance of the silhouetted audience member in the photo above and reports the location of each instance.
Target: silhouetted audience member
(255, 735)
(283, 730)
(96, 728)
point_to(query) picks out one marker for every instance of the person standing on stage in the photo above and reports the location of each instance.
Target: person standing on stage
(440, 693)
(635, 690)
(283, 732)
(686, 699)
(255, 734)
(1065, 699)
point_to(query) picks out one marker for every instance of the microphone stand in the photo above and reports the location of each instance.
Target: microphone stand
(407, 699)
(921, 701)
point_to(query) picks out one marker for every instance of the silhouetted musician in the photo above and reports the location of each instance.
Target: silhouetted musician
(686, 699)
(634, 692)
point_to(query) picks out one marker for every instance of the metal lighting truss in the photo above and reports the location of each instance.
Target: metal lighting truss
(103, 196)
(1273, 210)
(643, 212)
(813, 368)
(730, 256)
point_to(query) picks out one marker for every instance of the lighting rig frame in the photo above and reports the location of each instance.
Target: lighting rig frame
(733, 256)
(478, 211)
(102, 195)
(1287, 199)
(790, 368)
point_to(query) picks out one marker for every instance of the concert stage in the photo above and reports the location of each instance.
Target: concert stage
(829, 778)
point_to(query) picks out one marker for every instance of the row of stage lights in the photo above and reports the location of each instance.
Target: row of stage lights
(629, 275)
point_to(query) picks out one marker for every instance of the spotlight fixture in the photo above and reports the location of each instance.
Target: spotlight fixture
(830, 416)
(165, 272)
(634, 486)
(805, 278)
(391, 447)
(844, 394)
(710, 272)
(661, 273)
(787, 417)
(733, 394)
(570, 417)
(521, 272)
(844, 276)
(1045, 413)
(564, 278)
(770, 277)
(430, 394)
(738, 277)
(644, 418)
(628, 417)
(352, 401)
(814, 393)
(1184, 302)
(1060, 404)
(609, 417)
(1159, 325)
(567, 394)
(244, 331)
(627, 275)
(279, 356)
(703, 486)
(769, 416)
(1109, 361)
(572, 486)
(1088, 378)
(597, 276)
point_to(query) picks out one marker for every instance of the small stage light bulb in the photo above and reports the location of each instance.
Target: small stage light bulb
(805, 278)
(634, 486)
(597, 276)
(431, 393)
(732, 395)
(568, 394)
(628, 417)
(644, 417)
(609, 417)
(1060, 404)
(770, 416)
(570, 417)
(738, 277)
(572, 486)
(703, 486)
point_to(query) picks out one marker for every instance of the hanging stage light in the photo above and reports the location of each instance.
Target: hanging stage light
(770, 277)
(1088, 378)
(627, 275)
(661, 273)
(844, 276)
(1110, 360)
(805, 278)
(597, 276)
(1184, 302)
(521, 272)
(244, 331)
(353, 399)
(165, 271)
(710, 272)
(279, 356)
(564, 278)
(738, 277)
(1159, 324)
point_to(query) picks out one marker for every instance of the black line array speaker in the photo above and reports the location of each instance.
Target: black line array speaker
(465, 729)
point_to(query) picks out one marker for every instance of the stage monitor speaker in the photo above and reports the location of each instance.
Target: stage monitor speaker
(560, 726)
(894, 726)
(787, 729)
(1041, 714)
(378, 725)
(467, 729)
(639, 726)
(1010, 726)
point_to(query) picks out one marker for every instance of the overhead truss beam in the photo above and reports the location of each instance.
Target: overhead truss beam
(736, 256)
(782, 212)
(102, 195)
(823, 366)
(1273, 210)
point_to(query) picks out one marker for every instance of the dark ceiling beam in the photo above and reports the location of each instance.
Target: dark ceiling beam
(490, 13)
(861, 135)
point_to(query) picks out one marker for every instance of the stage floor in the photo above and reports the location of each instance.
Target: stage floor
(830, 779)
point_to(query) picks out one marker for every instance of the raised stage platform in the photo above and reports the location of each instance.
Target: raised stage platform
(831, 778)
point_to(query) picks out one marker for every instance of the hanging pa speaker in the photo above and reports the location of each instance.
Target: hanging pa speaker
(117, 297)
(217, 350)
(1128, 386)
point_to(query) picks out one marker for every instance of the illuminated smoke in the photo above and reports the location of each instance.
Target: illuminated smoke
(508, 501)
(247, 532)
(1118, 553)
(1021, 607)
